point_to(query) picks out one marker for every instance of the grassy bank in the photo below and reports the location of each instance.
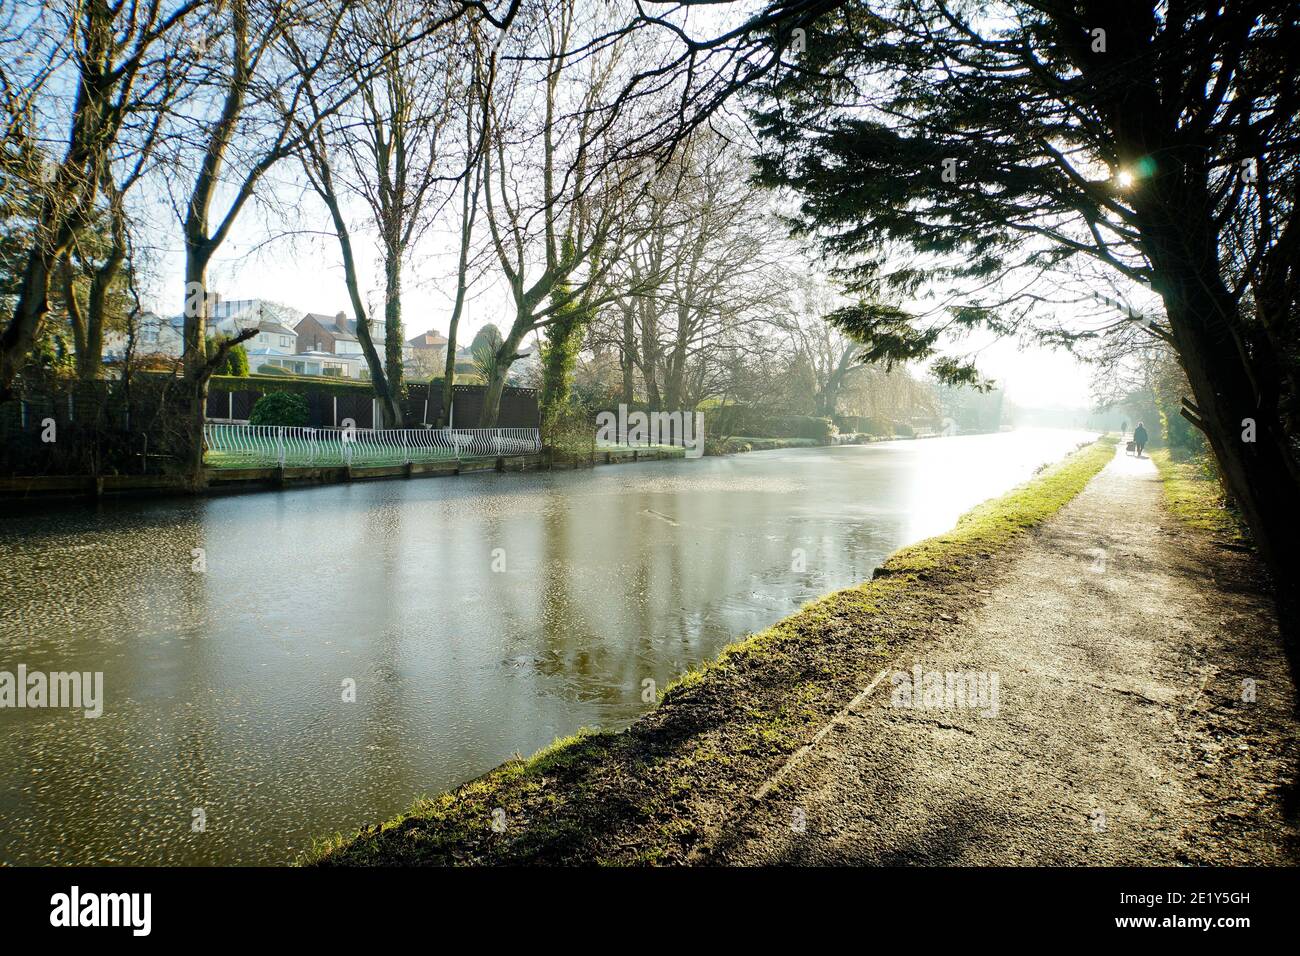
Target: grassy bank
(660, 790)
(738, 444)
(620, 452)
(1195, 496)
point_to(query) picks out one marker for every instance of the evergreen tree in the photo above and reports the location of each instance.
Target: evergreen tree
(987, 152)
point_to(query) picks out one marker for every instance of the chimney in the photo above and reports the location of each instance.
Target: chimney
(341, 321)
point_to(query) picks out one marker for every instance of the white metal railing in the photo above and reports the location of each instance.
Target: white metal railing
(239, 446)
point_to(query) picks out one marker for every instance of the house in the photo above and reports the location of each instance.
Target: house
(328, 364)
(336, 334)
(301, 344)
(154, 335)
(272, 338)
(230, 317)
(426, 354)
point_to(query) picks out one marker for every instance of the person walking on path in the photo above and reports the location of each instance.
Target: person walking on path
(1140, 438)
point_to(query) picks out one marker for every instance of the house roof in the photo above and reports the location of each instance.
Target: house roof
(427, 340)
(348, 332)
(274, 327)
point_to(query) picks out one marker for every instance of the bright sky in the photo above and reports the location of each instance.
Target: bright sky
(1037, 377)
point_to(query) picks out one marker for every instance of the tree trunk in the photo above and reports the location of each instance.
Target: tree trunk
(629, 348)
(453, 326)
(497, 383)
(829, 396)
(378, 378)
(649, 358)
(563, 336)
(1204, 321)
(76, 316)
(195, 362)
(674, 373)
(1257, 472)
(393, 341)
(33, 303)
(90, 361)
(449, 370)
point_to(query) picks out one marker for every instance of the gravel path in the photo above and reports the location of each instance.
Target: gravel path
(1122, 645)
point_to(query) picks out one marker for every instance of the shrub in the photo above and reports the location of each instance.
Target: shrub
(863, 425)
(568, 434)
(757, 422)
(272, 370)
(804, 426)
(279, 408)
(237, 362)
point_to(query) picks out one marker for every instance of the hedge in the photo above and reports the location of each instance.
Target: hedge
(279, 408)
(757, 422)
(298, 384)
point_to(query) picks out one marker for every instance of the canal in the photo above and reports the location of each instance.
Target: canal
(471, 618)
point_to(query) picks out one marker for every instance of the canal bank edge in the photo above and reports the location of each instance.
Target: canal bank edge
(57, 488)
(656, 792)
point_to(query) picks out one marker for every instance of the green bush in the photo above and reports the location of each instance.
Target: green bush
(279, 408)
(237, 362)
(756, 422)
(568, 434)
(272, 370)
(863, 425)
(805, 426)
(281, 380)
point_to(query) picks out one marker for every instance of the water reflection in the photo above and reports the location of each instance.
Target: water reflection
(479, 617)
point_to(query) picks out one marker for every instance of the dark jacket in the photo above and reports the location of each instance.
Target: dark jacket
(1140, 435)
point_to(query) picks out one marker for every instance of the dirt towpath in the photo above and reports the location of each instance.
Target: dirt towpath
(1126, 649)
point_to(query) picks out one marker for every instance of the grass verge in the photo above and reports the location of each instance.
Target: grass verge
(1195, 496)
(660, 791)
(627, 451)
(738, 444)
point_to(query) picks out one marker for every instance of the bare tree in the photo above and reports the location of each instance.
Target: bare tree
(102, 268)
(554, 204)
(244, 124)
(113, 55)
(830, 357)
(481, 71)
(702, 268)
(391, 146)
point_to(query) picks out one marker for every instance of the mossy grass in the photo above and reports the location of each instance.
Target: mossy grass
(1195, 496)
(743, 443)
(653, 793)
